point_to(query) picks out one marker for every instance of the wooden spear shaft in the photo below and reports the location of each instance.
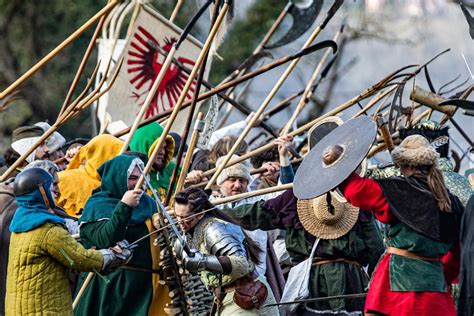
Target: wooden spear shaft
(217, 90)
(265, 104)
(309, 86)
(184, 93)
(198, 128)
(366, 93)
(252, 194)
(60, 47)
(85, 58)
(149, 98)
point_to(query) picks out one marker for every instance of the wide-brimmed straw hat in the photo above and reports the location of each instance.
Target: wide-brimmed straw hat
(414, 151)
(323, 222)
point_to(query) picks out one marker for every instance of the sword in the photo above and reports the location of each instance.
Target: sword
(319, 299)
(168, 217)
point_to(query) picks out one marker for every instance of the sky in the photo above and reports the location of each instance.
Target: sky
(401, 32)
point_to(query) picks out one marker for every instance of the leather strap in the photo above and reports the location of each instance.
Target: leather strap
(409, 254)
(317, 261)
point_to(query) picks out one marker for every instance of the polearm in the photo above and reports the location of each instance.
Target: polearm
(198, 128)
(232, 83)
(309, 86)
(321, 299)
(184, 92)
(223, 95)
(272, 93)
(70, 111)
(216, 203)
(432, 101)
(161, 75)
(58, 48)
(83, 63)
(189, 119)
(364, 94)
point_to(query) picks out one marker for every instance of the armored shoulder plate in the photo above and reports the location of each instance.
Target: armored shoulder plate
(224, 239)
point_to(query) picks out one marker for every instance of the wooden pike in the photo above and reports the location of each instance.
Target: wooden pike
(272, 93)
(246, 195)
(309, 86)
(198, 128)
(159, 78)
(58, 48)
(365, 94)
(184, 92)
(189, 119)
(83, 63)
(234, 82)
(68, 113)
(174, 14)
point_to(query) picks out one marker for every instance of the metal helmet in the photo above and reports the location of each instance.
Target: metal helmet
(29, 180)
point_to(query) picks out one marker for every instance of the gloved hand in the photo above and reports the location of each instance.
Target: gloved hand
(116, 256)
(197, 261)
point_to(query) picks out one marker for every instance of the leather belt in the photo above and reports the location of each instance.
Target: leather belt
(409, 254)
(317, 261)
(231, 286)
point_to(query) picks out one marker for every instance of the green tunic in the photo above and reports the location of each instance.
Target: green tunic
(407, 274)
(105, 221)
(134, 288)
(363, 244)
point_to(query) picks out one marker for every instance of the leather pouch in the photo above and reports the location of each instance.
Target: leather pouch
(249, 293)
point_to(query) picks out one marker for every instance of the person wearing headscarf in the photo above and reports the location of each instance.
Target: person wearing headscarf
(145, 140)
(42, 252)
(422, 256)
(80, 178)
(133, 289)
(7, 210)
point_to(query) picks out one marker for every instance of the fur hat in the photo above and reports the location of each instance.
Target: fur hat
(434, 132)
(413, 151)
(322, 222)
(239, 170)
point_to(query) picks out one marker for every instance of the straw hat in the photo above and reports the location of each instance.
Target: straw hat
(319, 221)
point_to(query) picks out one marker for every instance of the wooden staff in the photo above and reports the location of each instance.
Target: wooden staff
(225, 86)
(366, 93)
(242, 108)
(84, 60)
(69, 112)
(178, 5)
(60, 47)
(184, 135)
(198, 128)
(159, 78)
(272, 93)
(252, 172)
(184, 92)
(246, 195)
(309, 86)
(387, 137)
(375, 100)
(82, 290)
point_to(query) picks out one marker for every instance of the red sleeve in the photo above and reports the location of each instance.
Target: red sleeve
(452, 264)
(367, 194)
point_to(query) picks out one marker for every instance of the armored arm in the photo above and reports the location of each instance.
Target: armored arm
(224, 251)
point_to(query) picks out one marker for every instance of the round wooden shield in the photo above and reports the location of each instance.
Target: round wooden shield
(334, 157)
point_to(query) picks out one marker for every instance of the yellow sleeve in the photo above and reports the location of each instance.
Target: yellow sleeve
(61, 246)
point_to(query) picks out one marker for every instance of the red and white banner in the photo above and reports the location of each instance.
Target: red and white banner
(142, 63)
